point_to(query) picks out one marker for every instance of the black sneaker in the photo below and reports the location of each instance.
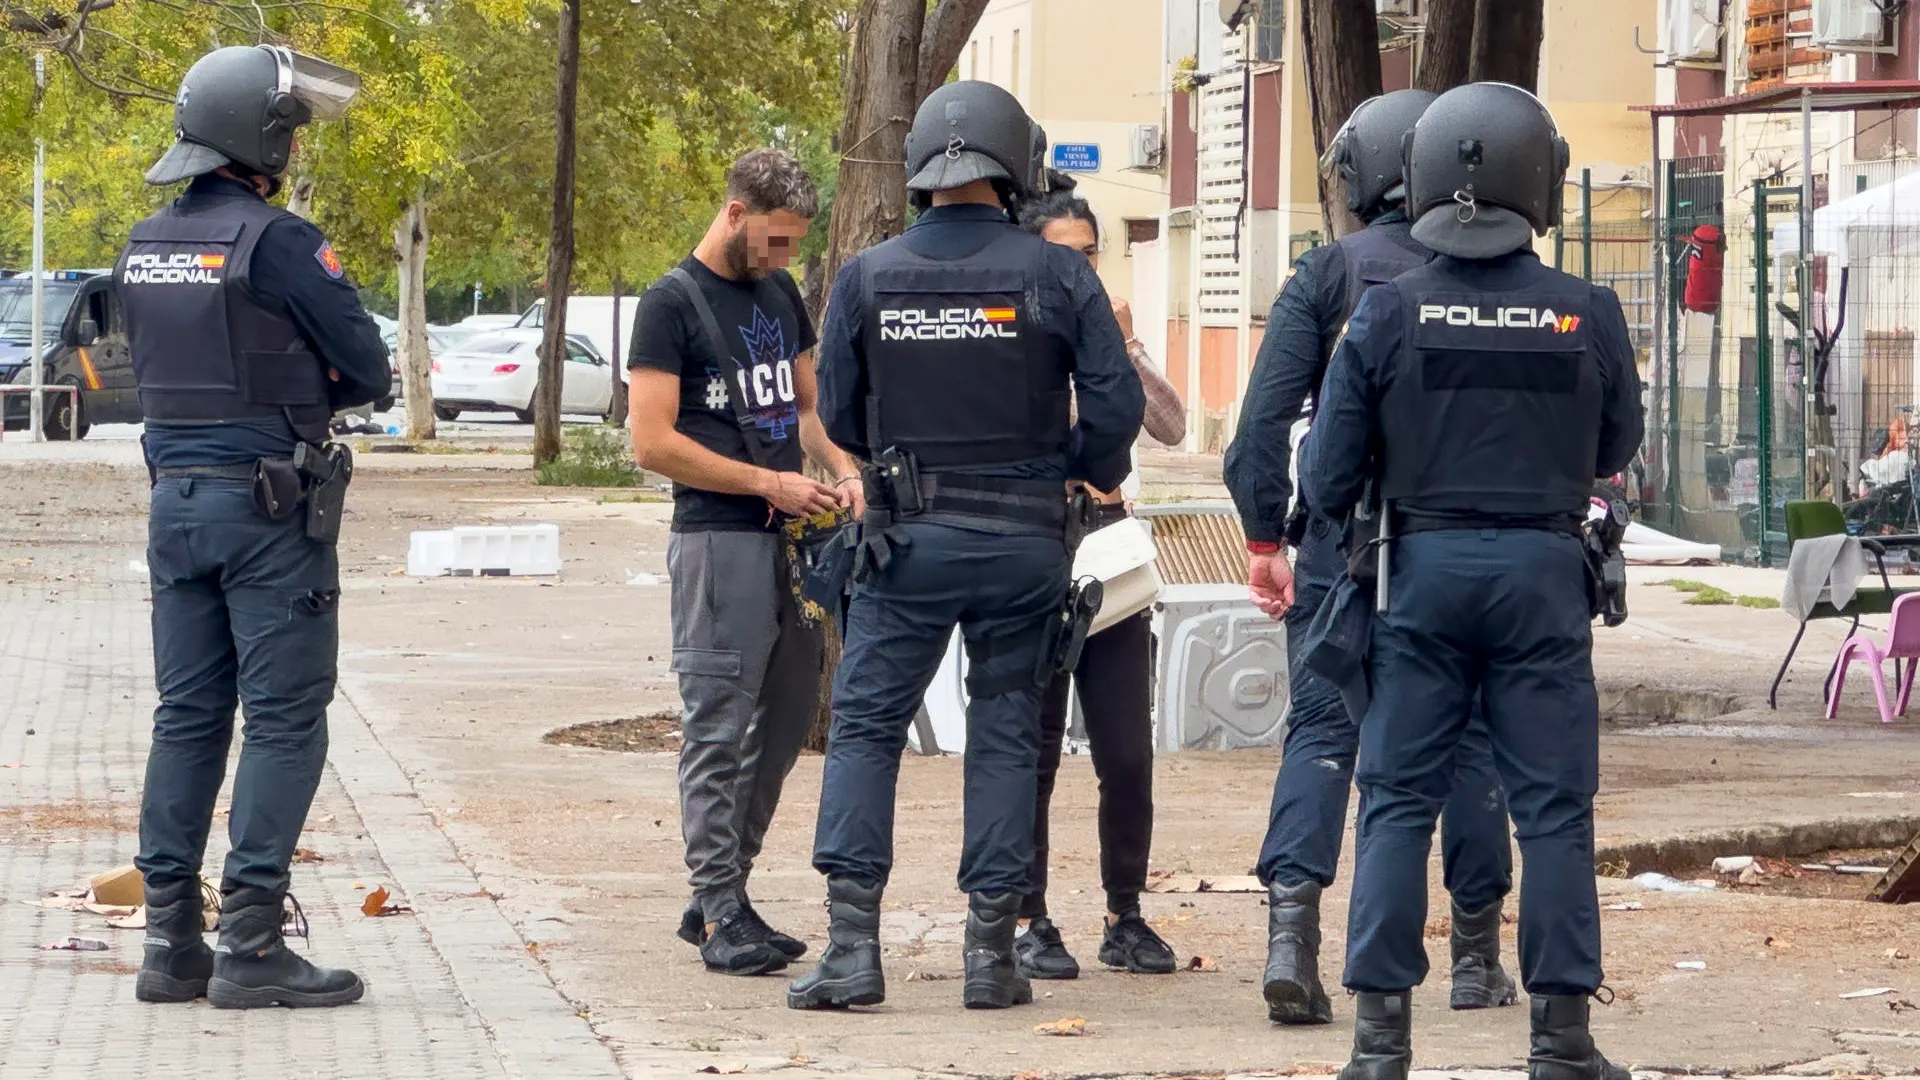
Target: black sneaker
(739, 946)
(693, 931)
(1131, 944)
(790, 947)
(1042, 955)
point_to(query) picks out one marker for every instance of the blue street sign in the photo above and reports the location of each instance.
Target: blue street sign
(1077, 157)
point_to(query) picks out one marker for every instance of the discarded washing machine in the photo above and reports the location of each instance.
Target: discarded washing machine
(1220, 667)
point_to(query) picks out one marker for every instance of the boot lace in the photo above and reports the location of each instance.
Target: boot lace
(293, 920)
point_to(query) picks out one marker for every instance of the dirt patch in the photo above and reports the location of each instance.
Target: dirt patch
(1627, 707)
(658, 733)
(66, 817)
(1802, 877)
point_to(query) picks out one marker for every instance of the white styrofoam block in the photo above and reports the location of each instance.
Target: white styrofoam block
(486, 551)
(430, 553)
(1222, 671)
(1123, 558)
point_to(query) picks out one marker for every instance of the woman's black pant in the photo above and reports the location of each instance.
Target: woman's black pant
(1113, 682)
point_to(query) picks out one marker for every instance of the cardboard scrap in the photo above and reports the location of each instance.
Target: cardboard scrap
(135, 921)
(119, 887)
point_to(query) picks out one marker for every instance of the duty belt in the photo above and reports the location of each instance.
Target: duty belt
(205, 472)
(1039, 503)
(1413, 521)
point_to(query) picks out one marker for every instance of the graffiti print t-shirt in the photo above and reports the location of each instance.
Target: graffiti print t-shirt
(766, 329)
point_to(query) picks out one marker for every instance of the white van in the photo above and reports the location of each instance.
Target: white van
(591, 317)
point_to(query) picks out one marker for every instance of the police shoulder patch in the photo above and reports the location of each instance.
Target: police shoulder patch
(329, 260)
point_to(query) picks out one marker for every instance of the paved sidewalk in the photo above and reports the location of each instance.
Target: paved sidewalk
(452, 991)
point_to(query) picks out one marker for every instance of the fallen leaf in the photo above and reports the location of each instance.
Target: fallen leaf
(799, 1059)
(725, 1070)
(1074, 1026)
(375, 900)
(1902, 1005)
(1202, 963)
(1872, 991)
(358, 885)
(1896, 954)
(1781, 944)
(301, 854)
(1029, 1076)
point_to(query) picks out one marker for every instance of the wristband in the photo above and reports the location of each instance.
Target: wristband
(1263, 547)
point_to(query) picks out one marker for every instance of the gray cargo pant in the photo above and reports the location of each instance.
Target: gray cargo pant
(749, 668)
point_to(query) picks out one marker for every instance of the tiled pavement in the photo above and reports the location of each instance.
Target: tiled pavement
(452, 991)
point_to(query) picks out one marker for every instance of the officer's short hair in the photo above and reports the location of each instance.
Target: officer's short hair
(769, 180)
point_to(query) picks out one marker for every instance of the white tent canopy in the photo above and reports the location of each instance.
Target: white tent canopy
(1857, 227)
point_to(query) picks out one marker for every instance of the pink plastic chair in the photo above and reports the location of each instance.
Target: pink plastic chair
(1903, 643)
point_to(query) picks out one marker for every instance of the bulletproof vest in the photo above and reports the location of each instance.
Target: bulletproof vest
(1494, 408)
(1373, 256)
(1377, 255)
(206, 348)
(960, 370)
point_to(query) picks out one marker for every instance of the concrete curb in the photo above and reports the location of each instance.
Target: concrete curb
(532, 1026)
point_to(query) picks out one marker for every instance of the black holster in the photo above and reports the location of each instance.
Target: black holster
(1607, 565)
(326, 471)
(1083, 517)
(1067, 631)
(276, 488)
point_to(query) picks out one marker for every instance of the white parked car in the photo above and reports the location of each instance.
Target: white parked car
(496, 372)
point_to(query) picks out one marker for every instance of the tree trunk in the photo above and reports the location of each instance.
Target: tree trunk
(553, 347)
(881, 95)
(617, 411)
(416, 364)
(947, 30)
(300, 196)
(1446, 52)
(899, 54)
(1343, 69)
(1506, 42)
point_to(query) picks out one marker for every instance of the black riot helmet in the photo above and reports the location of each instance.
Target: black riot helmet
(1486, 168)
(240, 105)
(1370, 150)
(968, 131)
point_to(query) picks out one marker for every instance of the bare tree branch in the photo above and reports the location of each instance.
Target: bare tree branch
(118, 91)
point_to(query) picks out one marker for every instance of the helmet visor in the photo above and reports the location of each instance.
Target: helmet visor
(325, 88)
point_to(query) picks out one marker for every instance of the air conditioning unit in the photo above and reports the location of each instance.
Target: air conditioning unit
(1145, 149)
(1693, 29)
(1393, 7)
(1850, 26)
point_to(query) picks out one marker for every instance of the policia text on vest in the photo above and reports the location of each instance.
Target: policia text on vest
(948, 324)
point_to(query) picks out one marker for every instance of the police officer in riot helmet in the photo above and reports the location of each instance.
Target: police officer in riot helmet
(949, 361)
(1480, 395)
(246, 336)
(1302, 846)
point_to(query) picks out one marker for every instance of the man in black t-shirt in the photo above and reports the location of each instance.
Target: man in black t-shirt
(723, 404)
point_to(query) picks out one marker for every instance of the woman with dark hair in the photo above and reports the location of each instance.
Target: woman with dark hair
(1112, 679)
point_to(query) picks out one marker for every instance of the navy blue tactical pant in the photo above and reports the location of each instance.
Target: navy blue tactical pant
(1502, 614)
(1000, 591)
(245, 613)
(1309, 812)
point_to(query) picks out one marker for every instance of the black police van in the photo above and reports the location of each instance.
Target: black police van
(85, 346)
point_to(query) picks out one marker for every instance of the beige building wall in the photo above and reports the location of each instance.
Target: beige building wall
(1590, 76)
(1088, 71)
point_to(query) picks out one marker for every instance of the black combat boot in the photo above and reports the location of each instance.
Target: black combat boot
(1293, 990)
(993, 977)
(178, 961)
(1479, 982)
(253, 968)
(1382, 1037)
(1562, 1047)
(849, 971)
